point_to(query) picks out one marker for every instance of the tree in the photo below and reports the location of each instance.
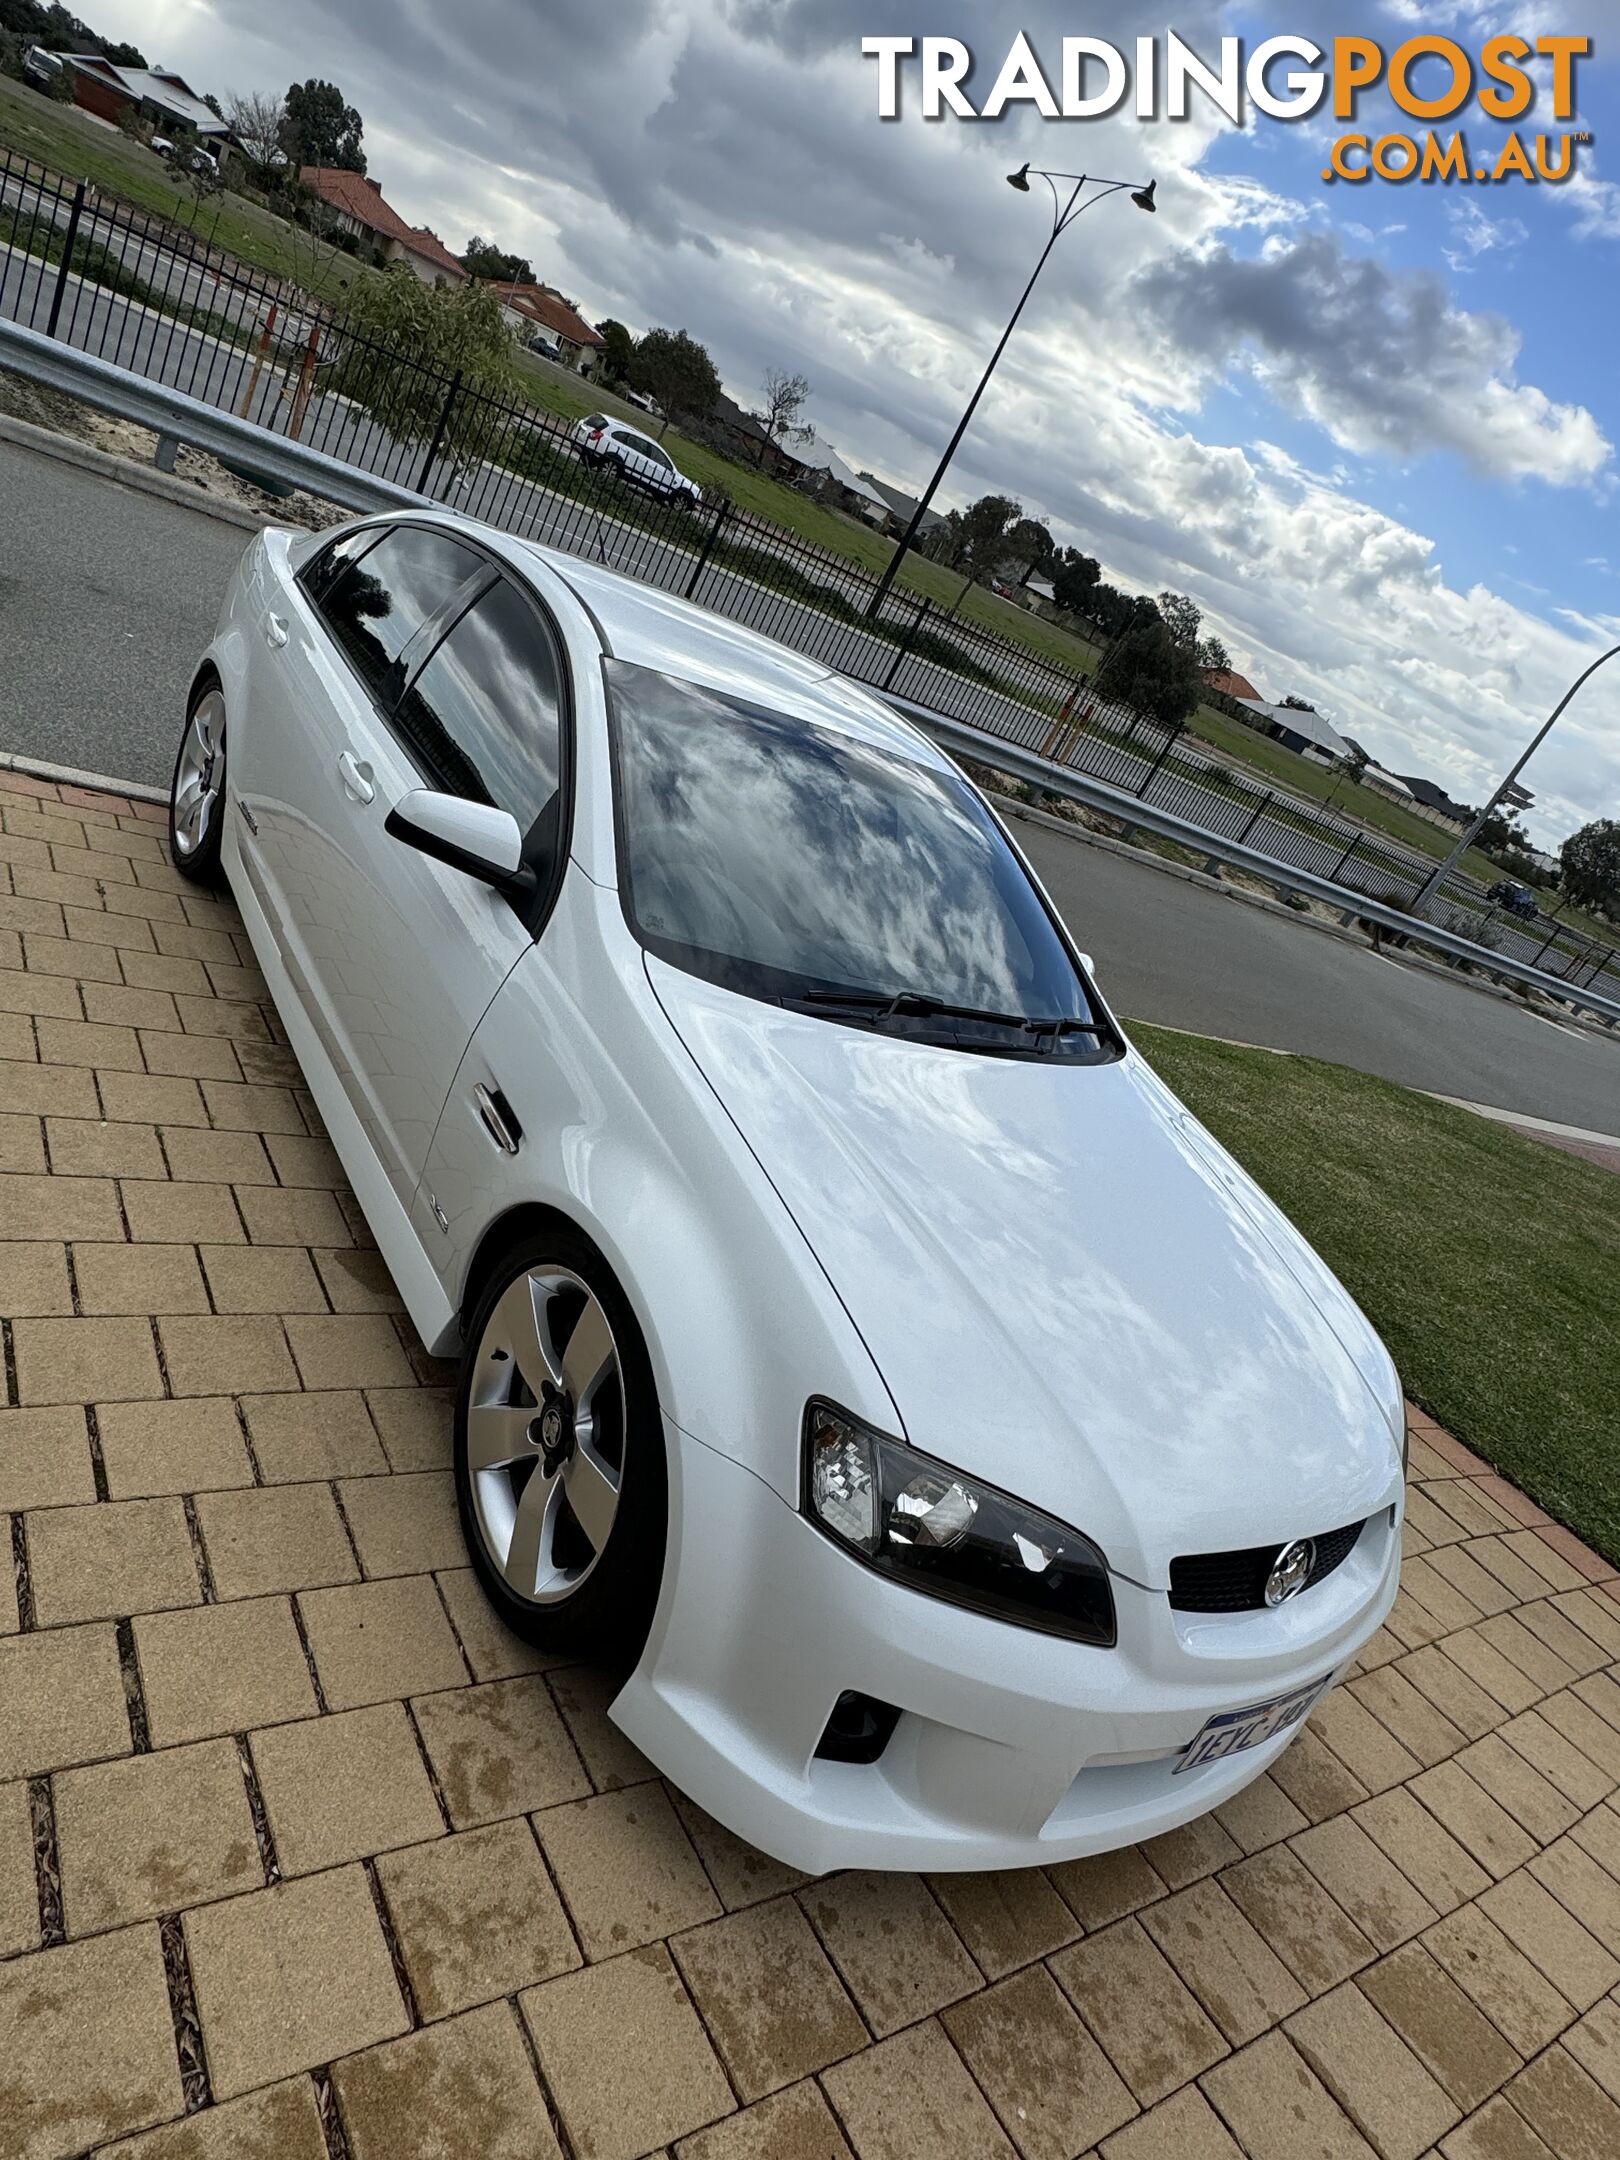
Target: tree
(213, 104)
(1213, 657)
(1296, 704)
(1149, 670)
(1502, 834)
(1075, 578)
(1028, 542)
(443, 331)
(984, 532)
(1182, 618)
(258, 120)
(618, 350)
(675, 371)
(320, 128)
(1589, 866)
(484, 259)
(785, 398)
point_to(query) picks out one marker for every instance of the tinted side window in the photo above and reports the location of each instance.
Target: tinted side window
(323, 573)
(663, 463)
(484, 714)
(377, 605)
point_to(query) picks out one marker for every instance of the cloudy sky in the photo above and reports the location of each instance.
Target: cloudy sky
(1370, 429)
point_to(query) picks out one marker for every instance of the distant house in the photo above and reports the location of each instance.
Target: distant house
(357, 204)
(1226, 683)
(1437, 804)
(826, 476)
(1387, 783)
(743, 435)
(1307, 734)
(541, 311)
(164, 100)
(902, 508)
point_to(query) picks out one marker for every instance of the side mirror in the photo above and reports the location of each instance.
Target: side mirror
(1088, 964)
(473, 837)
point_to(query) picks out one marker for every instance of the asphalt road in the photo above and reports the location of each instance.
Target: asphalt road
(108, 595)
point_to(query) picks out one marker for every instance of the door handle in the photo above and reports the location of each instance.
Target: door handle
(356, 777)
(275, 630)
(499, 1121)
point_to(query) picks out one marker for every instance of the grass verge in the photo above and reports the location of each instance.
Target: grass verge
(1488, 1262)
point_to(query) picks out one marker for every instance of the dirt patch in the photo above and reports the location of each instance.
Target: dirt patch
(63, 415)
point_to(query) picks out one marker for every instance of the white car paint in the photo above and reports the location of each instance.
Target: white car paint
(1045, 1275)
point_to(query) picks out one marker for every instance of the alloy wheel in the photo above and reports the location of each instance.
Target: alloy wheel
(546, 1434)
(199, 774)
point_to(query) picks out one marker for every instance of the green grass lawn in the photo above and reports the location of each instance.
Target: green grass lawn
(1490, 1264)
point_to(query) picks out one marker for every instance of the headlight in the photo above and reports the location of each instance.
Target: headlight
(951, 1535)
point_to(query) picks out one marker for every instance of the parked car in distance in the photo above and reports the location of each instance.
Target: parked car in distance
(1513, 900)
(603, 441)
(965, 1462)
(546, 347)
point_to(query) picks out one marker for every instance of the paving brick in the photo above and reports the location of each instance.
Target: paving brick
(52, 1208)
(792, 2125)
(158, 971)
(291, 1977)
(1522, 1647)
(1583, 1887)
(404, 1525)
(111, 1559)
(1243, 1985)
(1007, 1919)
(344, 1787)
(1552, 1939)
(274, 1537)
(172, 1447)
(240, 1106)
(1425, 1852)
(1108, 1886)
(150, 1833)
(136, 1280)
(1052, 2087)
(1595, 1615)
(1378, 2081)
(912, 2099)
(1497, 2132)
(1315, 1780)
(279, 2122)
(1185, 2127)
(415, 1424)
(899, 1956)
(1425, 1732)
(464, 2086)
(190, 1057)
(220, 1356)
(176, 1215)
(1364, 1882)
(220, 1158)
(1452, 1691)
(211, 1016)
(769, 1998)
(90, 2045)
(82, 1042)
(35, 1090)
(350, 1350)
(221, 1669)
(1448, 2033)
(1520, 1789)
(277, 1217)
(1526, 2009)
(19, 1887)
(1293, 1914)
(378, 1642)
(38, 996)
(584, 1695)
(1595, 2045)
(262, 1279)
(1279, 2109)
(1366, 1747)
(476, 1917)
(618, 2102)
(1151, 2026)
(80, 1361)
(1463, 1807)
(298, 1438)
(64, 1700)
(22, 1147)
(1187, 1855)
(44, 1462)
(1561, 1635)
(741, 1874)
(311, 1162)
(1262, 1814)
(357, 1281)
(1558, 1760)
(498, 1749)
(85, 1147)
(492, 1650)
(1567, 2108)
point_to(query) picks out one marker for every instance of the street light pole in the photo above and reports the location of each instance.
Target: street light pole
(1432, 883)
(1063, 216)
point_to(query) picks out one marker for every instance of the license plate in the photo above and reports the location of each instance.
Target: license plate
(1234, 1730)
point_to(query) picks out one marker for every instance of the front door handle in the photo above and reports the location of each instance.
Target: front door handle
(275, 630)
(499, 1121)
(356, 777)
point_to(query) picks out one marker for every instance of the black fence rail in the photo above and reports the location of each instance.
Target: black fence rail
(141, 292)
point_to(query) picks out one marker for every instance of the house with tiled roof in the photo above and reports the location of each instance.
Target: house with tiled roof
(1226, 682)
(356, 202)
(540, 310)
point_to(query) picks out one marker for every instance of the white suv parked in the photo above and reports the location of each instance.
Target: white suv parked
(646, 464)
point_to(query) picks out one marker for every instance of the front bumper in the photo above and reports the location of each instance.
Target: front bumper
(1013, 1748)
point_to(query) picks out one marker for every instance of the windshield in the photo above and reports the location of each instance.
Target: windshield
(793, 863)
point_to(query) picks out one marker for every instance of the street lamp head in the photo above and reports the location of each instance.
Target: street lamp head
(1143, 197)
(1019, 179)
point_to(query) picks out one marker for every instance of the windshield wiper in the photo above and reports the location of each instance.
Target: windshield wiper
(919, 1004)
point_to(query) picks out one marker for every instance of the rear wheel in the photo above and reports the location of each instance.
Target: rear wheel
(559, 1457)
(197, 794)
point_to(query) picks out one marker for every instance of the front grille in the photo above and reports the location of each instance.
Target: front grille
(1236, 1581)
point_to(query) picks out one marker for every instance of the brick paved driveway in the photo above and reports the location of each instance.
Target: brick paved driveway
(301, 1854)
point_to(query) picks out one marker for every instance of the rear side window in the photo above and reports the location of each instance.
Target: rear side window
(484, 715)
(597, 420)
(376, 605)
(323, 573)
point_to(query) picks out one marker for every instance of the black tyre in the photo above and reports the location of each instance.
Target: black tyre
(197, 792)
(559, 1455)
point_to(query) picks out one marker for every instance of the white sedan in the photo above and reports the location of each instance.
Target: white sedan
(966, 1462)
(646, 464)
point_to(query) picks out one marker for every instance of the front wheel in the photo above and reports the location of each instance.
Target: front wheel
(559, 1458)
(197, 793)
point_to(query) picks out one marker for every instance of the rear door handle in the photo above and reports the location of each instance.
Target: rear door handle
(275, 630)
(356, 777)
(499, 1121)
